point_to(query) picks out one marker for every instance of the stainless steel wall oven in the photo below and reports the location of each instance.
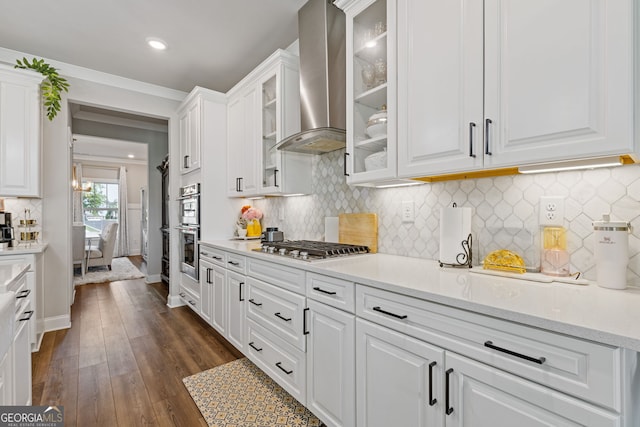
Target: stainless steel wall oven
(189, 229)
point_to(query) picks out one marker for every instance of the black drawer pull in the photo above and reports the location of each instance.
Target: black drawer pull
(388, 313)
(432, 401)
(240, 291)
(27, 316)
(192, 303)
(449, 409)
(235, 263)
(278, 315)
(255, 303)
(254, 347)
(538, 360)
(323, 291)
(282, 369)
(305, 331)
(23, 294)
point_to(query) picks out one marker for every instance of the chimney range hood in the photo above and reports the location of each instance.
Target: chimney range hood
(321, 38)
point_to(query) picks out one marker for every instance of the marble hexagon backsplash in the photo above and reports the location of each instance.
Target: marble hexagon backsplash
(505, 211)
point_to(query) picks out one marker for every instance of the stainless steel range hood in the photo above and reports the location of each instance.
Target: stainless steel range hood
(321, 37)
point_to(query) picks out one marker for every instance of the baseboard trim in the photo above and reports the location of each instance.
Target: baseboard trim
(174, 301)
(56, 323)
(152, 278)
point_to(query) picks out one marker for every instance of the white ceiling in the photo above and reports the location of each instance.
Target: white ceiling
(93, 149)
(212, 43)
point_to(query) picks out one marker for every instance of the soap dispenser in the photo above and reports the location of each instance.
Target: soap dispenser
(555, 258)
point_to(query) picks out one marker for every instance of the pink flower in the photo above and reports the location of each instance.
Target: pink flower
(251, 214)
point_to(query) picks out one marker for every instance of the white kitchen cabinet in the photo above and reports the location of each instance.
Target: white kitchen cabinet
(219, 299)
(190, 117)
(5, 379)
(263, 109)
(512, 83)
(206, 289)
(331, 365)
(371, 86)
(20, 133)
(242, 137)
(21, 358)
(235, 308)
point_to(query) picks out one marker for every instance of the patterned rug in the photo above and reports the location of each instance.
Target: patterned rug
(239, 394)
(121, 269)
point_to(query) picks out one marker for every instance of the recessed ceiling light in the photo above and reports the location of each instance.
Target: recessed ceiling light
(156, 43)
(131, 156)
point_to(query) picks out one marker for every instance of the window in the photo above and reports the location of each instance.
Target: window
(100, 205)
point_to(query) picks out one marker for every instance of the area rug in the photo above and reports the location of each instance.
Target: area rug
(239, 394)
(121, 269)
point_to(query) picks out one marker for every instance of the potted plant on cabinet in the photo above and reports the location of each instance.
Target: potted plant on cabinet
(52, 86)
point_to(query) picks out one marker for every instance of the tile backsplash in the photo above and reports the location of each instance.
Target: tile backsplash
(17, 208)
(505, 211)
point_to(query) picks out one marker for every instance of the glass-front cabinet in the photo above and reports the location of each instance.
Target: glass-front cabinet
(371, 91)
(270, 119)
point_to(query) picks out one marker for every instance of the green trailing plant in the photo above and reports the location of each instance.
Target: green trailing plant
(52, 87)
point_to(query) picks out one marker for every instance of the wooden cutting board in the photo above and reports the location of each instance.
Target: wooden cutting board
(359, 229)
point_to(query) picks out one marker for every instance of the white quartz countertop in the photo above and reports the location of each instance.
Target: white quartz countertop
(30, 248)
(586, 311)
(9, 273)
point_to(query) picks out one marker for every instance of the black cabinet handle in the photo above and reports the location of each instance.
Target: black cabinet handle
(217, 258)
(240, 291)
(304, 321)
(388, 313)
(449, 409)
(235, 263)
(345, 163)
(278, 315)
(487, 151)
(432, 401)
(237, 184)
(240, 184)
(323, 291)
(275, 178)
(209, 275)
(471, 126)
(192, 303)
(27, 316)
(186, 163)
(538, 360)
(282, 369)
(254, 347)
(23, 294)
(255, 303)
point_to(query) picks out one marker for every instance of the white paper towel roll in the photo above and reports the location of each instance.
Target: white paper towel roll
(455, 226)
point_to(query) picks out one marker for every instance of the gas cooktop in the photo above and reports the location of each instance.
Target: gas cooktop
(310, 250)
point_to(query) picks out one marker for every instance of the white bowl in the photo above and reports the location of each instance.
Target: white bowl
(376, 130)
(375, 161)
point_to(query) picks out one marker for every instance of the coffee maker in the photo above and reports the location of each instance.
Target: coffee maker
(6, 229)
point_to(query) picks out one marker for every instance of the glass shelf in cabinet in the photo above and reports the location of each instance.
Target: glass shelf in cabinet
(373, 97)
(270, 104)
(375, 144)
(271, 135)
(373, 49)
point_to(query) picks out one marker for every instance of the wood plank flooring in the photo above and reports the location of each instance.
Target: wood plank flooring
(122, 361)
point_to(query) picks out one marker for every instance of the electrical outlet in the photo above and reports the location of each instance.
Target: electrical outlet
(408, 211)
(551, 210)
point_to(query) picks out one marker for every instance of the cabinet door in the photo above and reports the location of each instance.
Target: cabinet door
(396, 379)
(206, 288)
(185, 128)
(21, 357)
(440, 84)
(195, 136)
(5, 379)
(20, 138)
(558, 79)
(331, 365)
(480, 395)
(235, 309)
(270, 159)
(218, 300)
(242, 144)
(235, 140)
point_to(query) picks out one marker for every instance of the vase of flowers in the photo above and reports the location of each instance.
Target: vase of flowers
(250, 221)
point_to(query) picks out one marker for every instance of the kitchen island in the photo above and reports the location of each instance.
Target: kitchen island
(405, 334)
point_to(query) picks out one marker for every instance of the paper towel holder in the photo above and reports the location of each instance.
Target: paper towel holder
(463, 259)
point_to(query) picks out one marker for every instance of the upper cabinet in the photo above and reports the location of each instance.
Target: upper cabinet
(371, 90)
(20, 133)
(263, 109)
(190, 116)
(512, 83)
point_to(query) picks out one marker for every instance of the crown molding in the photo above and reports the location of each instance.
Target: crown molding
(9, 56)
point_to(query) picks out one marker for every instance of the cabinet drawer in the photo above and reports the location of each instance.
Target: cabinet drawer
(331, 291)
(212, 255)
(280, 275)
(192, 285)
(278, 310)
(582, 368)
(236, 263)
(190, 299)
(283, 363)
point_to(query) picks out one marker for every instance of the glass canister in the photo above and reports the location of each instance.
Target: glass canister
(555, 258)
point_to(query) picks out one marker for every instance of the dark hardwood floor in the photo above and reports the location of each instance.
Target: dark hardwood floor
(122, 361)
